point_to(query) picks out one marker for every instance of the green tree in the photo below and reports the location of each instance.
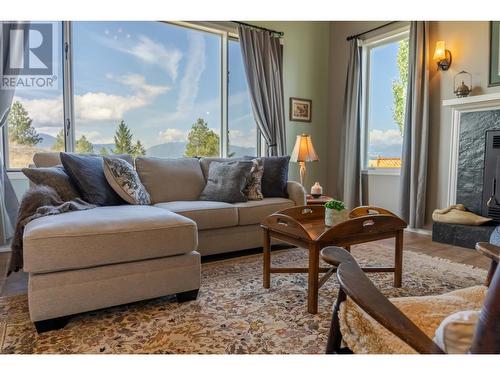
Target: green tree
(59, 143)
(20, 129)
(202, 141)
(139, 149)
(84, 146)
(123, 139)
(124, 142)
(104, 151)
(399, 86)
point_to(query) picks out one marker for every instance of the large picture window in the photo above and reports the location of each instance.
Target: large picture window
(144, 88)
(384, 88)
(36, 115)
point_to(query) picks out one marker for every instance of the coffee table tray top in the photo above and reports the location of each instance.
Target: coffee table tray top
(308, 223)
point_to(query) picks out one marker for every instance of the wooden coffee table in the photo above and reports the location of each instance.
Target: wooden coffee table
(304, 226)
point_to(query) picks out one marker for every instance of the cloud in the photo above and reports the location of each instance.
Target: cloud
(389, 137)
(173, 135)
(97, 138)
(44, 111)
(243, 139)
(151, 52)
(138, 82)
(95, 106)
(189, 85)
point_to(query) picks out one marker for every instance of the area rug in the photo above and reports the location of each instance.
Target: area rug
(233, 313)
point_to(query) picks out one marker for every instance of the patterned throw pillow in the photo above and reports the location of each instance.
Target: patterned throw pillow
(122, 177)
(253, 190)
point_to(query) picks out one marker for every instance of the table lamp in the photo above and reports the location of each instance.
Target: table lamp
(302, 152)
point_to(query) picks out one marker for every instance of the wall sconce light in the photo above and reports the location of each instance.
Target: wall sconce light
(442, 56)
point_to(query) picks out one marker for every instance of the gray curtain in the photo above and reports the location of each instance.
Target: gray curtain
(416, 130)
(349, 181)
(8, 200)
(263, 60)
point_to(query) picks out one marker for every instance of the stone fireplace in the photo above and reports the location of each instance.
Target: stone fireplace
(474, 177)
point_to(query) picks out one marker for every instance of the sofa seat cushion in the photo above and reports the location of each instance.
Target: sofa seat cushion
(253, 212)
(105, 235)
(206, 214)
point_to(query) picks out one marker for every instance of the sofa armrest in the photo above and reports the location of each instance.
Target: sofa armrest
(296, 193)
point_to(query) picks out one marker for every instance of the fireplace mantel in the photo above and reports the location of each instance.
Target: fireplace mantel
(474, 101)
(458, 106)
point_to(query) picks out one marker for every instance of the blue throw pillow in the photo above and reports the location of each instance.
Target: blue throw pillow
(87, 174)
(275, 177)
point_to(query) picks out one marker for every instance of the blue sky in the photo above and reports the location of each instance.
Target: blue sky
(385, 138)
(160, 78)
(157, 77)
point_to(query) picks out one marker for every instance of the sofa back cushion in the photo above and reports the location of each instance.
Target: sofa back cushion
(51, 159)
(169, 180)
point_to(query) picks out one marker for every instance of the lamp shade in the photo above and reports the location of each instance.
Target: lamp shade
(304, 149)
(440, 52)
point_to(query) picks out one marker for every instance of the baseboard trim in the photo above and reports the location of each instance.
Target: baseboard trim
(426, 232)
(5, 249)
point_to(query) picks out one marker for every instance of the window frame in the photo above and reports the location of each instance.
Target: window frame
(68, 87)
(366, 46)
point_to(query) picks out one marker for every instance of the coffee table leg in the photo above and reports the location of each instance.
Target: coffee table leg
(313, 282)
(398, 260)
(267, 260)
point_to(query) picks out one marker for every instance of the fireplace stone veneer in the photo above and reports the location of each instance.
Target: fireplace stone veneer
(472, 118)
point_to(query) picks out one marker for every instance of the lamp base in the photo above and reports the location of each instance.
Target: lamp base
(302, 172)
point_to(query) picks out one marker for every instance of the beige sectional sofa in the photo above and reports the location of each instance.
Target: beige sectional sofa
(86, 260)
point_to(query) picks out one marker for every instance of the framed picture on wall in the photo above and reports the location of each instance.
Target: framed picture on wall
(494, 53)
(300, 109)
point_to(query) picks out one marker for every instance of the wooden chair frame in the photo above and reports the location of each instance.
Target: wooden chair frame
(355, 284)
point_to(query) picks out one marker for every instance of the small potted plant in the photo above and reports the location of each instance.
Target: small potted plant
(334, 212)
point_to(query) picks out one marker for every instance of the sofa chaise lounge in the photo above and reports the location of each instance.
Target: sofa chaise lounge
(106, 256)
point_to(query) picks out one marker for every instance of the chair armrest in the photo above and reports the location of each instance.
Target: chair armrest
(489, 250)
(296, 193)
(361, 290)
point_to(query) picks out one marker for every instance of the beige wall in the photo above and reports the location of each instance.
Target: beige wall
(305, 75)
(469, 45)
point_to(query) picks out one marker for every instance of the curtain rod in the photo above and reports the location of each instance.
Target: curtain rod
(280, 33)
(369, 31)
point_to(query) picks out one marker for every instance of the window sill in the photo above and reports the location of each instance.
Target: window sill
(16, 175)
(382, 172)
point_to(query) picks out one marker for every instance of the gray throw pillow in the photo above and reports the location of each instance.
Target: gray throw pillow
(87, 174)
(54, 177)
(122, 177)
(205, 162)
(226, 181)
(275, 177)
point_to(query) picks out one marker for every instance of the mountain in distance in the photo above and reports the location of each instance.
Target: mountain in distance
(163, 150)
(177, 149)
(167, 150)
(47, 141)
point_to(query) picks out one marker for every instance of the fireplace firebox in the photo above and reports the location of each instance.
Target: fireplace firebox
(491, 176)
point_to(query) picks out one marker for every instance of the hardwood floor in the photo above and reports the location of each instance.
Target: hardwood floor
(17, 283)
